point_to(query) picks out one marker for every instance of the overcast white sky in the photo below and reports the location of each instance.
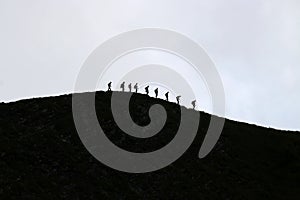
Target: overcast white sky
(254, 44)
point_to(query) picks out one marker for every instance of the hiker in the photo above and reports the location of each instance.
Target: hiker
(178, 98)
(123, 86)
(147, 90)
(136, 87)
(167, 96)
(156, 92)
(129, 86)
(109, 86)
(194, 104)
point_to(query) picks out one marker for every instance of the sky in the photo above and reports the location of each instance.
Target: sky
(255, 46)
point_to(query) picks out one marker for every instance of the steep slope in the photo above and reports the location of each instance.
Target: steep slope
(42, 157)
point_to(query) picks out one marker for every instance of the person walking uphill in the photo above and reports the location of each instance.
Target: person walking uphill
(147, 90)
(194, 104)
(156, 92)
(109, 86)
(123, 86)
(167, 96)
(129, 86)
(136, 88)
(178, 99)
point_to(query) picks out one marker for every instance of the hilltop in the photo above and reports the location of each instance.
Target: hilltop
(42, 157)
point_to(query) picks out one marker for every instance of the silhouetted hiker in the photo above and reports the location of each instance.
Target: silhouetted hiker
(178, 98)
(194, 104)
(156, 92)
(147, 90)
(123, 86)
(109, 86)
(129, 86)
(167, 96)
(136, 87)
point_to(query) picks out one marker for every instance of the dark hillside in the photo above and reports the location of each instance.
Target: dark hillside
(42, 157)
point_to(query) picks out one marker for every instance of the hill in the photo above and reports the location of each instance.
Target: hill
(42, 157)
